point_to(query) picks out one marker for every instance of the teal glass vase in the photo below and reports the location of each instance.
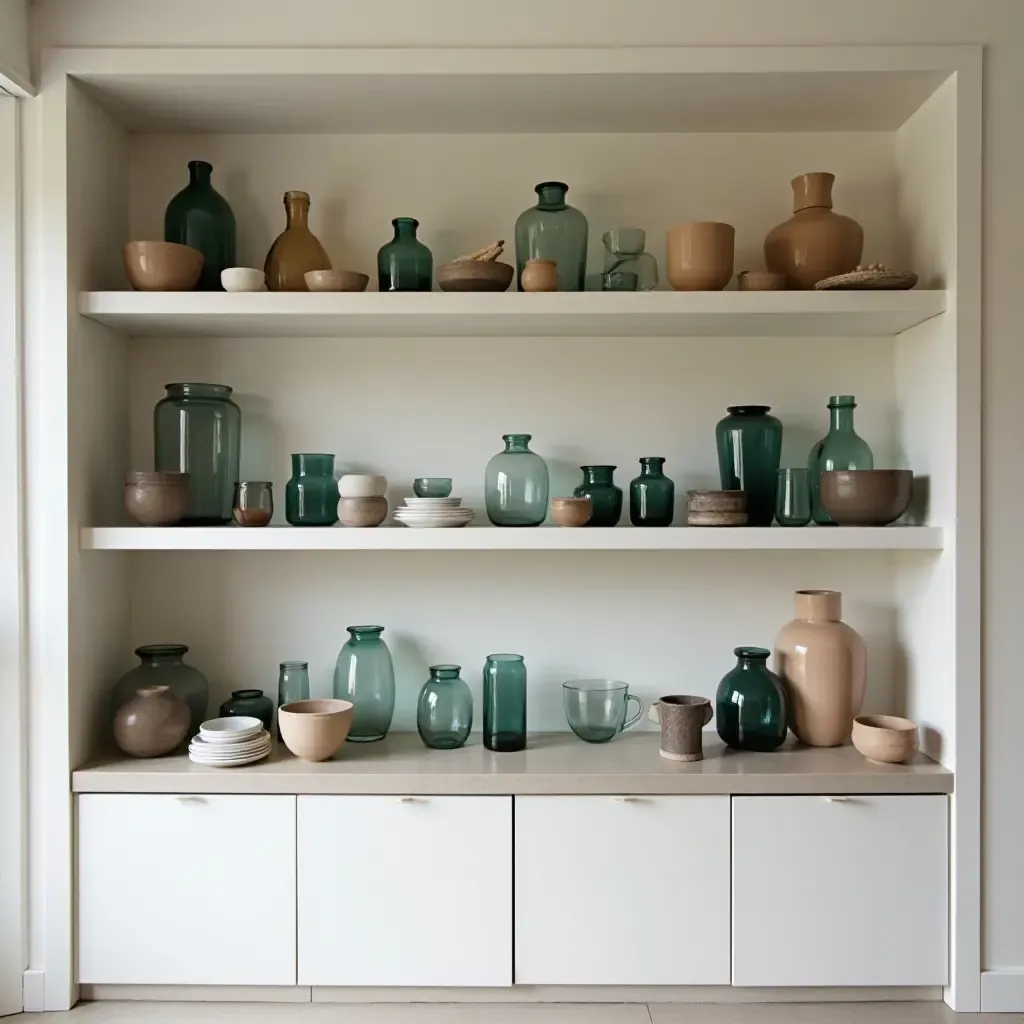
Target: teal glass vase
(199, 216)
(516, 484)
(750, 705)
(197, 429)
(553, 230)
(405, 264)
(652, 496)
(292, 684)
(604, 495)
(840, 448)
(627, 267)
(505, 702)
(253, 703)
(311, 495)
(365, 676)
(444, 709)
(164, 665)
(749, 443)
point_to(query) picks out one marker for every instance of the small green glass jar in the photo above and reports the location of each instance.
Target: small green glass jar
(405, 264)
(253, 703)
(505, 702)
(652, 496)
(605, 497)
(444, 710)
(750, 705)
(311, 496)
(840, 448)
(793, 500)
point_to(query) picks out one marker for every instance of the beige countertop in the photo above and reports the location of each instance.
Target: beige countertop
(553, 763)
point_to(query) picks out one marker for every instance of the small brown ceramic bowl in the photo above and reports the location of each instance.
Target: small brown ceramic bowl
(314, 730)
(363, 511)
(571, 511)
(335, 281)
(760, 281)
(885, 738)
(156, 499)
(475, 276)
(161, 266)
(866, 497)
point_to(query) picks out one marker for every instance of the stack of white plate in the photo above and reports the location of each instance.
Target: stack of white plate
(432, 512)
(230, 742)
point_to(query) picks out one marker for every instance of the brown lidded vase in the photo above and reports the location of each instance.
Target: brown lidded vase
(152, 723)
(156, 499)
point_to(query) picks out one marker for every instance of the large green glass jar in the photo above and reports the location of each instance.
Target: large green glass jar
(516, 484)
(197, 429)
(311, 495)
(201, 217)
(840, 448)
(553, 230)
(365, 675)
(750, 705)
(749, 445)
(405, 264)
(505, 702)
(606, 498)
(444, 710)
(251, 703)
(652, 496)
(164, 665)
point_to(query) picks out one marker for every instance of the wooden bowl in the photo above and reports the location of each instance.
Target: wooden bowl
(571, 511)
(475, 276)
(335, 281)
(156, 499)
(866, 497)
(716, 501)
(760, 281)
(161, 266)
(885, 738)
(314, 730)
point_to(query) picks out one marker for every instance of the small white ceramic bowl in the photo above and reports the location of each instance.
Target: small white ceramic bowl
(362, 485)
(242, 279)
(233, 729)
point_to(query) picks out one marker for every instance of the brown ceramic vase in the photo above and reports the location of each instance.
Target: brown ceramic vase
(823, 664)
(152, 723)
(814, 243)
(296, 250)
(539, 276)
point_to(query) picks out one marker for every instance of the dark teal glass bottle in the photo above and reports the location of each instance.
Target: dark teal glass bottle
(253, 703)
(749, 445)
(311, 496)
(516, 484)
(606, 498)
(405, 264)
(505, 702)
(292, 684)
(553, 230)
(444, 710)
(652, 496)
(840, 448)
(750, 705)
(201, 217)
(365, 675)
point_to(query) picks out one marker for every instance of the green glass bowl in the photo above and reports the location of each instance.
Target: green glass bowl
(432, 486)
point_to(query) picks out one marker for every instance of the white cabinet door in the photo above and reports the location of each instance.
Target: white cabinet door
(839, 890)
(186, 890)
(622, 890)
(405, 890)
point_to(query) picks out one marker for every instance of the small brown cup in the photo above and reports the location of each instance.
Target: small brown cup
(571, 511)
(681, 718)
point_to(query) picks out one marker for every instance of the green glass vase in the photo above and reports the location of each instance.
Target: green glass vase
(253, 703)
(405, 264)
(505, 702)
(292, 684)
(311, 495)
(652, 496)
(516, 484)
(164, 665)
(553, 230)
(365, 675)
(605, 497)
(749, 443)
(750, 705)
(444, 710)
(199, 216)
(840, 448)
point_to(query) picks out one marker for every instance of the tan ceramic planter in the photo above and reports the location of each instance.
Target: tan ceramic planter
(700, 256)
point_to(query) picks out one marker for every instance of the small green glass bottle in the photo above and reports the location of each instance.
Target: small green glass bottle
(505, 702)
(652, 495)
(252, 703)
(405, 264)
(444, 710)
(750, 705)
(200, 217)
(840, 448)
(605, 496)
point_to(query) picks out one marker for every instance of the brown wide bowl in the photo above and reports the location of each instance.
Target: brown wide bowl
(314, 730)
(760, 281)
(363, 511)
(885, 738)
(156, 499)
(475, 276)
(335, 281)
(866, 497)
(161, 266)
(571, 511)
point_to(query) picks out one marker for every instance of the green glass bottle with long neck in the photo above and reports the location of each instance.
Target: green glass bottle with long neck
(840, 448)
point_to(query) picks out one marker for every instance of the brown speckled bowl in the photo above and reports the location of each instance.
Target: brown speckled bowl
(571, 511)
(866, 497)
(156, 499)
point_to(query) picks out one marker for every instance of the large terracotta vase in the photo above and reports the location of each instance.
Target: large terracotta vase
(823, 664)
(814, 243)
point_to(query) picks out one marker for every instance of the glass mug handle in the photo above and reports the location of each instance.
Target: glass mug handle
(630, 722)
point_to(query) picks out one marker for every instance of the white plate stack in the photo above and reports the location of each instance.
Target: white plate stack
(230, 742)
(431, 513)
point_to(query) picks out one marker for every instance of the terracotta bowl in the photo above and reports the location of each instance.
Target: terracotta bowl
(336, 281)
(161, 266)
(475, 276)
(362, 511)
(156, 499)
(866, 497)
(314, 730)
(700, 256)
(571, 511)
(885, 738)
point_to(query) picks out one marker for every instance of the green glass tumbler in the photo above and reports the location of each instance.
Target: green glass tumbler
(504, 702)
(292, 684)
(596, 708)
(750, 705)
(444, 710)
(793, 497)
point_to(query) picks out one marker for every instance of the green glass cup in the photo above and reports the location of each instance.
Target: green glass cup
(432, 486)
(596, 708)
(793, 497)
(504, 702)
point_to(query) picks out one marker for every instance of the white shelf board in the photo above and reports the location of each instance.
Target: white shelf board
(486, 538)
(662, 314)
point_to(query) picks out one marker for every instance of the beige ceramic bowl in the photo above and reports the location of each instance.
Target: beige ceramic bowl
(314, 730)
(362, 511)
(161, 266)
(885, 738)
(571, 511)
(156, 499)
(336, 281)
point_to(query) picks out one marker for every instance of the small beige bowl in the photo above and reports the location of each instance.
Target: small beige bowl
(156, 499)
(242, 279)
(314, 730)
(571, 511)
(362, 485)
(885, 738)
(362, 511)
(336, 281)
(760, 281)
(161, 266)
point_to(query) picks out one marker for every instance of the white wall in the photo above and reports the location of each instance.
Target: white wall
(997, 23)
(15, 73)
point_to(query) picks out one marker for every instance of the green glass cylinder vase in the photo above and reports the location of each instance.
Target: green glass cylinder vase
(292, 684)
(652, 495)
(200, 217)
(840, 448)
(516, 484)
(444, 709)
(505, 702)
(311, 495)
(750, 705)
(253, 703)
(405, 264)
(606, 498)
(365, 675)
(553, 230)
(749, 443)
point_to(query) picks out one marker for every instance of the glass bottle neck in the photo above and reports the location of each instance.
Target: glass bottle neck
(405, 228)
(651, 467)
(198, 391)
(551, 196)
(296, 208)
(517, 442)
(598, 474)
(199, 172)
(313, 465)
(750, 658)
(841, 418)
(161, 655)
(444, 673)
(246, 694)
(365, 634)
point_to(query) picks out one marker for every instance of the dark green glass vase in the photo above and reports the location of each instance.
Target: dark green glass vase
(164, 665)
(840, 448)
(253, 703)
(516, 484)
(200, 216)
(505, 702)
(405, 263)
(365, 675)
(750, 705)
(311, 496)
(606, 498)
(749, 451)
(553, 230)
(444, 710)
(652, 496)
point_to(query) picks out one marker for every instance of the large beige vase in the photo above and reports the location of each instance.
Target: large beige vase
(823, 664)
(700, 256)
(814, 243)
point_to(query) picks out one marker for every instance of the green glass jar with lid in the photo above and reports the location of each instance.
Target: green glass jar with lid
(444, 709)
(840, 448)
(553, 230)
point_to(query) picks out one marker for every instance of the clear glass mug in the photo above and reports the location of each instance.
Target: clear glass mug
(596, 708)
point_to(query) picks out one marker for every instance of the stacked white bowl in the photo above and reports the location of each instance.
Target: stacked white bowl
(431, 513)
(230, 742)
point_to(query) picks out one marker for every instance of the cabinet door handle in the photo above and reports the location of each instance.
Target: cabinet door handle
(627, 799)
(839, 799)
(412, 800)
(185, 798)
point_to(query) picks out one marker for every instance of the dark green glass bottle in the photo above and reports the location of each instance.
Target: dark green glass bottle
(249, 702)
(505, 702)
(311, 496)
(840, 448)
(606, 498)
(200, 216)
(444, 710)
(750, 705)
(553, 230)
(652, 495)
(405, 264)
(749, 445)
